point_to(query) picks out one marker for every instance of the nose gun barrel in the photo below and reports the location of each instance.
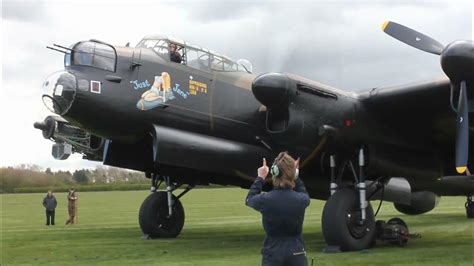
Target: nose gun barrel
(47, 127)
(40, 125)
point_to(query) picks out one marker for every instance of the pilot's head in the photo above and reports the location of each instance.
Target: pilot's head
(284, 171)
(173, 47)
(50, 193)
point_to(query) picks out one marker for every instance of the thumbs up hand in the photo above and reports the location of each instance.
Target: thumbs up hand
(263, 170)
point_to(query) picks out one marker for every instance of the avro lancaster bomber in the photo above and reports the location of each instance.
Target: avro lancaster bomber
(187, 116)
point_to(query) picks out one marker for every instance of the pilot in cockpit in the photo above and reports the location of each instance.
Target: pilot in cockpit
(174, 54)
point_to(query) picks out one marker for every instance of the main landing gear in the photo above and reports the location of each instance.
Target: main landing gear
(161, 213)
(348, 221)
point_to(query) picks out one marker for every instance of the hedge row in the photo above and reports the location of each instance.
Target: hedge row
(101, 187)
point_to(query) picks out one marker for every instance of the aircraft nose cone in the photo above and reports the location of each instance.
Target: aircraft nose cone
(457, 60)
(60, 90)
(271, 89)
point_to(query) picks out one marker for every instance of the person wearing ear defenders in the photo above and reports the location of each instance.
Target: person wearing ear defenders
(282, 210)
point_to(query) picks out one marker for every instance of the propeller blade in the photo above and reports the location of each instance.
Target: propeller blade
(462, 138)
(412, 37)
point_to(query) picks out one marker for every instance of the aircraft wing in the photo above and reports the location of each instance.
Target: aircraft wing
(418, 95)
(420, 114)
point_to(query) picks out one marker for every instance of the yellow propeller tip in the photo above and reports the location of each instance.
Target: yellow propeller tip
(385, 24)
(461, 169)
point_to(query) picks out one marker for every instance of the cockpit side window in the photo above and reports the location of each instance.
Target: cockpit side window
(193, 56)
(104, 57)
(147, 43)
(217, 63)
(229, 65)
(95, 54)
(221, 63)
(161, 47)
(197, 59)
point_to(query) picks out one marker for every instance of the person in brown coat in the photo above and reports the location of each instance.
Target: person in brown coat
(72, 206)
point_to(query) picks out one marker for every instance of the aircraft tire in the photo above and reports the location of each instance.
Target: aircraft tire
(153, 216)
(338, 227)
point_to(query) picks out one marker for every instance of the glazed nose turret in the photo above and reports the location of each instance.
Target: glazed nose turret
(59, 91)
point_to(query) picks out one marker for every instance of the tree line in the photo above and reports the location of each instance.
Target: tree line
(30, 175)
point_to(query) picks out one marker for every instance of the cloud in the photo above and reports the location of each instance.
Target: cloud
(339, 42)
(24, 10)
(210, 11)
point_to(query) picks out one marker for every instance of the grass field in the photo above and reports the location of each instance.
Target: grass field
(219, 230)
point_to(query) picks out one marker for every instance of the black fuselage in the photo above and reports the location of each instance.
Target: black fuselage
(212, 129)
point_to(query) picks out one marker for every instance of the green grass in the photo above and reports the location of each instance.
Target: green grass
(219, 230)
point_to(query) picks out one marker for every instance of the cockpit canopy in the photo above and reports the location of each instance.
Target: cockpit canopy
(194, 56)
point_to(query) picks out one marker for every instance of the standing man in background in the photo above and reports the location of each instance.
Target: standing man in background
(71, 206)
(282, 210)
(50, 203)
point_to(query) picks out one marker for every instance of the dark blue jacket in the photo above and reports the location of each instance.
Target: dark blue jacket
(50, 203)
(282, 209)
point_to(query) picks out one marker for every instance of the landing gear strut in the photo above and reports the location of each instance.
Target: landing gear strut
(469, 207)
(161, 213)
(348, 220)
(154, 182)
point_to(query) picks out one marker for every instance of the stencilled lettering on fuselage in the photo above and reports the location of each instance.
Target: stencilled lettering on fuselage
(196, 87)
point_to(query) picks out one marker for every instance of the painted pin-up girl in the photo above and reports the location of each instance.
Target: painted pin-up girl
(158, 94)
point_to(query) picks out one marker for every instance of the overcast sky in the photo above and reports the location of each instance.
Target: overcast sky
(335, 42)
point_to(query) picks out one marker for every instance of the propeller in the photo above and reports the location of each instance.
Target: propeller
(462, 136)
(457, 61)
(412, 38)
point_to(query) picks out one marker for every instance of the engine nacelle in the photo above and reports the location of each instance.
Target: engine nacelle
(421, 202)
(272, 90)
